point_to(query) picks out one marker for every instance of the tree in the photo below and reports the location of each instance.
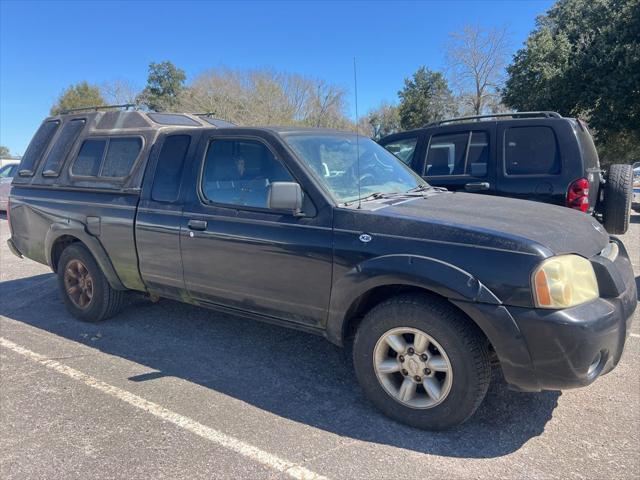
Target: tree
(266, 96)
(476, 59)
(77, 96)
(4, 152)
(119, 92)
(165, 85)
(383, 120)
(425, 98)
(583, 60)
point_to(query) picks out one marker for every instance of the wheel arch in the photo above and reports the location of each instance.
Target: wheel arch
(60, 236)
(375, 280)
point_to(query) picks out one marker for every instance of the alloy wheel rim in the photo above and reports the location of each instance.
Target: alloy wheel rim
(412, 367)
(78, 284)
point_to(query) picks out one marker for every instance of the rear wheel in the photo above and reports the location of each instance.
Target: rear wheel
(618, 196)
(422, 362)
(84, 289)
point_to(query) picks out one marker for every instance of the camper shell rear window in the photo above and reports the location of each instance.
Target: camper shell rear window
(37, 147)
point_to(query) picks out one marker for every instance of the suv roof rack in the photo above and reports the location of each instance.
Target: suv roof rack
(95, 108)
(544, 114)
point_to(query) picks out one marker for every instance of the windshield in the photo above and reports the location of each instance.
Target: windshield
(8, 171)
(333, 159)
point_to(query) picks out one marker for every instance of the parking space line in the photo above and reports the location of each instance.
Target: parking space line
(253, 453)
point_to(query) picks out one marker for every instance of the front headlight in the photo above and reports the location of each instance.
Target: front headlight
(564, 281)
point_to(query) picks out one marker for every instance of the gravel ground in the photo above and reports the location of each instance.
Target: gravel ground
(172, 391)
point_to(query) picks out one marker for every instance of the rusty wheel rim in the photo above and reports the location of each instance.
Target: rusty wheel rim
(78, 284)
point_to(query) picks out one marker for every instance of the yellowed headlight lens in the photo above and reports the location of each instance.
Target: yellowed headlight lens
(564, 281)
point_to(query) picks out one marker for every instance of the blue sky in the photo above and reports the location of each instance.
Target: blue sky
(46, 46)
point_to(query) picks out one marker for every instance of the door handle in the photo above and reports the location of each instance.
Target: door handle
(477, 186)
(197, 225)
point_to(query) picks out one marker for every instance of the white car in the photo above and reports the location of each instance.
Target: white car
(7, 172)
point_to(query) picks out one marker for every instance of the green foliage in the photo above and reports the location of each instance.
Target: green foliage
(381, 121)
(4, 152)
(425, 98)
(583, 60)
(165, 84)
(77, 96)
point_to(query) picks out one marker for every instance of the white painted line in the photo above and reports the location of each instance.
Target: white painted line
(215, 436)
(634, 335)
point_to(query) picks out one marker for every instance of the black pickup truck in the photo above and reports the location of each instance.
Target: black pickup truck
(330, 233)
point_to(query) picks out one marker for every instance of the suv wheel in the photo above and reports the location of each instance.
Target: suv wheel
(618, 196)
(422, 362)
(84, 288)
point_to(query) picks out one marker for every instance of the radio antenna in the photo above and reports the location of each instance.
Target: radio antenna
(355, 85)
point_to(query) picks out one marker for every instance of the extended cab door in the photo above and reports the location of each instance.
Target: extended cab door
(236, 252)
(160, 215)
(460, 157)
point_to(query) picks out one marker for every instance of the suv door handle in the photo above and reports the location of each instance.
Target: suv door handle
(197, 225)
(477, 186)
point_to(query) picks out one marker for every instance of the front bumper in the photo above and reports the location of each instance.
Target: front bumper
(541, 349)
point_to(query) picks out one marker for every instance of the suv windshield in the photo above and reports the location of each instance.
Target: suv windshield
(333, 159)
(8, 171)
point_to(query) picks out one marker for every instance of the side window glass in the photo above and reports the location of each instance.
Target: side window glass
(531, 151)
(58, 154)
(239, 172)
(166, 181)
(37, 147)
(121, 154)
(403, 148)
(478, 156)
(89, 158)
(446, 155)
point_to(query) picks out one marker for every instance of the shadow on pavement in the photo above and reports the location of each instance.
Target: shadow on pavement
(291, 374)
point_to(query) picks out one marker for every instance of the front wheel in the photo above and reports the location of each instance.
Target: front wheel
(422, 362)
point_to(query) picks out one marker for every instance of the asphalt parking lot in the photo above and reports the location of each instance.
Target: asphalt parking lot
(172, 391)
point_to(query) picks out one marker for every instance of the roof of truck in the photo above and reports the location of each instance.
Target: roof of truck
(138, 119)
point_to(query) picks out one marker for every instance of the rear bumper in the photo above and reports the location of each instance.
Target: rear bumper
(542, 349)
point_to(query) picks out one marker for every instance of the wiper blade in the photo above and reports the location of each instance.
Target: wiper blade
(371, 196)
(420, 188)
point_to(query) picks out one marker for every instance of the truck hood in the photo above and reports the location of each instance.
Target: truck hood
(494, 222)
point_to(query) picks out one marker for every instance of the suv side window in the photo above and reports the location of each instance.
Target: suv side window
(403, 148)
(461, 153)
(61, 148)
(107, 157)
(531, 151)
(239, 172)
(166, 181)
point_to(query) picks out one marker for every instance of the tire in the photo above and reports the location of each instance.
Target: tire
(105, 302)
(618, 196)
(464, 345)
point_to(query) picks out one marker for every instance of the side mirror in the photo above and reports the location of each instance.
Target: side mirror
(285, 196)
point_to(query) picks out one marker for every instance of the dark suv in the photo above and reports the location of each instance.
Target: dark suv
(539, 156)
(290, 225)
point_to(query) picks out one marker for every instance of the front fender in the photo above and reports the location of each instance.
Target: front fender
(431, 274)
(77, 230)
